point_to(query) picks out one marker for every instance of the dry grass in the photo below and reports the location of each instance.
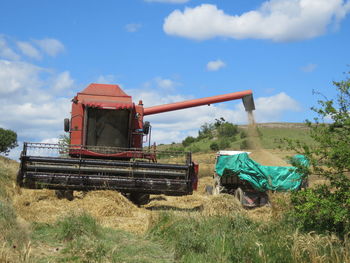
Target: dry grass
(319, 248)
(110, 208)
(222, 205)
(12, 254)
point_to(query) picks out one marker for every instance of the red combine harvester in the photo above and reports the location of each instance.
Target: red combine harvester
(107, 132)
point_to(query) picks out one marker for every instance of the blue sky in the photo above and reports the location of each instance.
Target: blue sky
(164, 51)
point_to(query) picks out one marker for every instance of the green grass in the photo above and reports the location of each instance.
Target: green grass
(79, 238)
(239, 239)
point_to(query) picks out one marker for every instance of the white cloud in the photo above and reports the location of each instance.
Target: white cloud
(309, 67)
(133, 27)
(15, 76)
(271, 109)
(166, 84)
(50, 140)
(107, 79)
(277, 20)
(28, 100)
(215, 65)
(28, 49)
(6, 52)
(62, 82)
(50, 46)
(169, 1)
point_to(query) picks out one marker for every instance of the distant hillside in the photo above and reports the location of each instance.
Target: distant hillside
(273, 133)
(211, 137)
(293, 125)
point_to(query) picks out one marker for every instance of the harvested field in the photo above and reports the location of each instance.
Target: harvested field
(112, 209)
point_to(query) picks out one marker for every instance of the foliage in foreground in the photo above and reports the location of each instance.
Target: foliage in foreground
(239, 239)
(327, 207)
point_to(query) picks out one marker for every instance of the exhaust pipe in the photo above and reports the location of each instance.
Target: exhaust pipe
(248, 102)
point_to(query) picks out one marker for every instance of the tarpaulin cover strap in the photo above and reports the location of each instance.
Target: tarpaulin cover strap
(261, 177)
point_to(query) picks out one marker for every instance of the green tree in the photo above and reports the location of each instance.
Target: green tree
(206, 131)
(227, 129)
(8, 140)
(188, 140)
(327, 207)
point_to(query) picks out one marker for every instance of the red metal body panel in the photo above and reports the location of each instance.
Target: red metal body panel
(107, 90)
(196, 102)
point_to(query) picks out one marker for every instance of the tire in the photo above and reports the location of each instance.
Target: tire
(239, 195)
(67, 194)
(139, 198)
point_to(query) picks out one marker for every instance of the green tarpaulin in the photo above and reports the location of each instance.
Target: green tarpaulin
(262, 177)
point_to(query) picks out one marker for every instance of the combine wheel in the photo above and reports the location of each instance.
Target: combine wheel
(139, 198)
(217, 188)
(68, 194)
(239, 195)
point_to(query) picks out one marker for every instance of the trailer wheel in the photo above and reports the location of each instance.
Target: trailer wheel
(239, 194)
(139, 198)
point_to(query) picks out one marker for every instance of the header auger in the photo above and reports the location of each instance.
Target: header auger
(107, 131)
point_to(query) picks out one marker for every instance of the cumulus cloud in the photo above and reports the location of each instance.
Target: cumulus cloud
(309, 68)
(168, 1)
(16, 75)
(215, 65)
(50, 46)
(133, 27)
(271, 109)
(28, 97)
(28, 49)
(277, 20)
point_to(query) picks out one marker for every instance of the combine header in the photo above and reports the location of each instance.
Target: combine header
(107, 132)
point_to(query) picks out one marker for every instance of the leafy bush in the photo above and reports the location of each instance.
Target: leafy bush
(224, 143)
(214, 146)
(227, 130)
(188, 140)
(327, 207)
(244, 145)
(8, 140)
(243, 135)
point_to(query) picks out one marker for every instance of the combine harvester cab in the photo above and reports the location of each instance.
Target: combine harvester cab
(105, 150)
